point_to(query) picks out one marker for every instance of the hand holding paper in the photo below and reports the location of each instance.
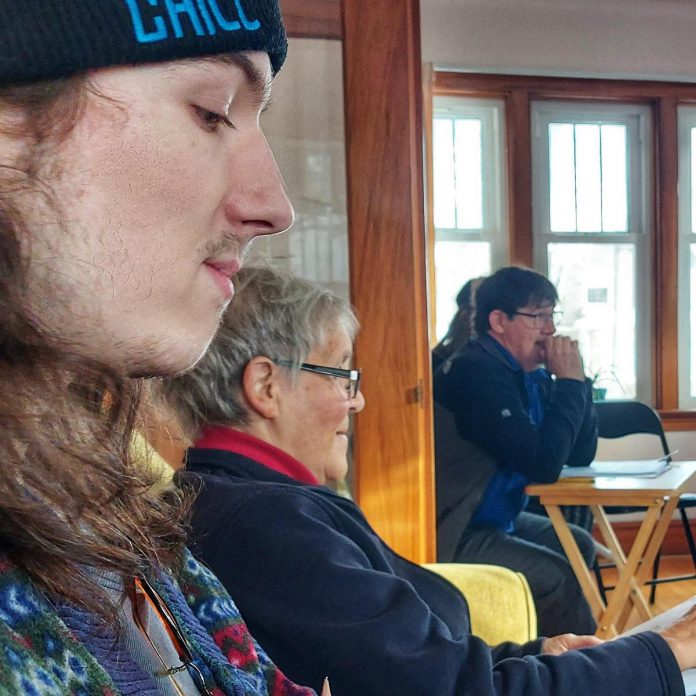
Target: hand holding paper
(678, 627)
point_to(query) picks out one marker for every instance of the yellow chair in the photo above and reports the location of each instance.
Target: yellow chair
(500, 601)
(149, 458)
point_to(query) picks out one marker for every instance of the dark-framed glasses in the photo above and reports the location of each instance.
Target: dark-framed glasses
(142, 589)
(352, 377)
(541, 319)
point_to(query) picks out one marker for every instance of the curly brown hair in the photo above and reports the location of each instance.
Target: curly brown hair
(71, 495)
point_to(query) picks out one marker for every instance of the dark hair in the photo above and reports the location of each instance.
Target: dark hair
(73, 493)
(510, 289)
(461, 328)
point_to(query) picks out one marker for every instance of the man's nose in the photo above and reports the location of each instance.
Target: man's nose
(256, 199)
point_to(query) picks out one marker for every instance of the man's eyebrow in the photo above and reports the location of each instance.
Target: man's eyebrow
(259, 81)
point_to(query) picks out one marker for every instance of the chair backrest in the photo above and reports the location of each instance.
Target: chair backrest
(620, 418)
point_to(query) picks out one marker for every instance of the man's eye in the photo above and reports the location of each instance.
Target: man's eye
(210, 120)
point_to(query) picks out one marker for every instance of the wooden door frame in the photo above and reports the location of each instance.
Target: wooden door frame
(387, 247)
(312, 19)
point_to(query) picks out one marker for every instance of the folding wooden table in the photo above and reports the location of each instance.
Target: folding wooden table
(658, 495)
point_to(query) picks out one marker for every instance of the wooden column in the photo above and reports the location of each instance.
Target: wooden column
(312, 19)
(519, 167)
(665, 248)
(384, 148)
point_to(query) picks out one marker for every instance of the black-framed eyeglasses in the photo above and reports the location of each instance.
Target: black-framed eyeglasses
(540, 319)
(140, 587)
(351, 376)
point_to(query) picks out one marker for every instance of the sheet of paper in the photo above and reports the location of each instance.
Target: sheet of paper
(635, 467)
(662, 621)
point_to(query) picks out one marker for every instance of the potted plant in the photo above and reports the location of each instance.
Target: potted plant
(600, 381)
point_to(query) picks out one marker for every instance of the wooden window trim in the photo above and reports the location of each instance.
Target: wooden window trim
(678, 420)
(663, 98)
(312, 19)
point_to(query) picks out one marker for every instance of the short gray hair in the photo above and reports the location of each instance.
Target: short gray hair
(274, 314)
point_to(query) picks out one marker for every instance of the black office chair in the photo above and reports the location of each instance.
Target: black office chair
(620, 418)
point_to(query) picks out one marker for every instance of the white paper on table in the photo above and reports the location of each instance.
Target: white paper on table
(662, 621)
(647, 468)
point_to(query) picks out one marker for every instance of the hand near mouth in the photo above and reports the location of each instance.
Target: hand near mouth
(562, 358)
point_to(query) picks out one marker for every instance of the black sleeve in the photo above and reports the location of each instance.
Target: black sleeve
(490, 410)
(311, 598)
(585, 447)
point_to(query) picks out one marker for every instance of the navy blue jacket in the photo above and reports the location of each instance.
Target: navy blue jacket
(488, 400)
(490, 405)
(325, 595)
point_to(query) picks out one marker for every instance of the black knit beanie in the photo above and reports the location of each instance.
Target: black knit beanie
(46, 39)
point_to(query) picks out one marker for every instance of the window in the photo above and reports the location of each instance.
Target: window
(469, 196)
(591, 202)
(687, 256)
(311, 155)
(601, 196)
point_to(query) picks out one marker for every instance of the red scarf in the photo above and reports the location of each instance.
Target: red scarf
(231, 440)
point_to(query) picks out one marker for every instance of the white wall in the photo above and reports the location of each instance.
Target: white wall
(616, 38)
(645, 446)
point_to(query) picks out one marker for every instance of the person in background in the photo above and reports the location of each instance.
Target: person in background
(519, 396)
(268, 409)
(461, 328)
(133, 176)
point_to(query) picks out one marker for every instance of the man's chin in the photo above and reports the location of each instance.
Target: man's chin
(168, 363)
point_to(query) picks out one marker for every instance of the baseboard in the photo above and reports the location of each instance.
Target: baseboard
(675, 543)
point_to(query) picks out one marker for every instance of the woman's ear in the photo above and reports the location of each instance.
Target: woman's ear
(497, 320)
(260, 383)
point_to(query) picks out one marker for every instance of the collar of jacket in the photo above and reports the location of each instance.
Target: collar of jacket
(488, 345)
(500, 352)
(231, 440)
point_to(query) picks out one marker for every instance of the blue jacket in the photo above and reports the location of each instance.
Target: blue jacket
(488, 400)
(325, 595)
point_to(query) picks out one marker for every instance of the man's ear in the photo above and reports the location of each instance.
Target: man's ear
(260, 383)
(498, 321)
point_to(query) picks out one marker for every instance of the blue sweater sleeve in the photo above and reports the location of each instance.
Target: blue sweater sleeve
(313, 598)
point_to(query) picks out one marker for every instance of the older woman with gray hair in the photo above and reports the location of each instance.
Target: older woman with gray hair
(268, 408)
(278, 372)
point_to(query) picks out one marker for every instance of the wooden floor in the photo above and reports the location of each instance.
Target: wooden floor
(669, 594)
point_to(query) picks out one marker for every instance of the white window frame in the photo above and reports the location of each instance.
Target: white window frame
(637, 119)
(491, 113)
(686, 120)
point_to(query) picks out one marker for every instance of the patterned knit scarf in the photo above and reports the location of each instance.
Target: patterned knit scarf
(57, 649)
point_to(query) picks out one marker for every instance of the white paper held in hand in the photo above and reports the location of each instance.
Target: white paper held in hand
(662, 621)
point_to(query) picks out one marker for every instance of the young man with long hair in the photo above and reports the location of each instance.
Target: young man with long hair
(133, 176)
